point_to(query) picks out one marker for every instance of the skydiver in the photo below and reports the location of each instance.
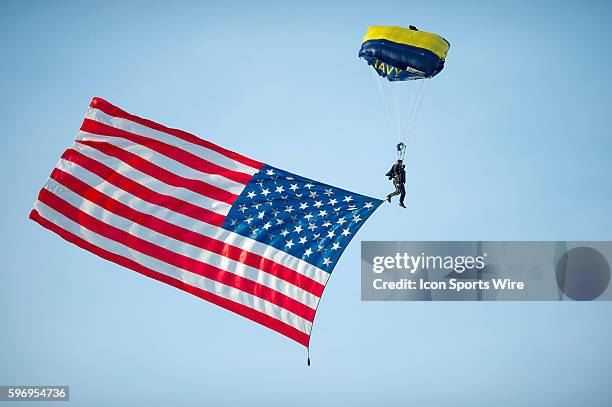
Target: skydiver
(397, 173)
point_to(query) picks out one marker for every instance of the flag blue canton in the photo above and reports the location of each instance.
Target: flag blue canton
(305, 218)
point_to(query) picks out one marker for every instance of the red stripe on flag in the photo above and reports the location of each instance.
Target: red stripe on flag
(238, 308)
(112, 110)
(175, 259)
(157, 172)
(187, 236)
(175, 153)
(142, 192)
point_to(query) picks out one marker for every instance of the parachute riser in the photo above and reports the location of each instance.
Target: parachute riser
(401, 150)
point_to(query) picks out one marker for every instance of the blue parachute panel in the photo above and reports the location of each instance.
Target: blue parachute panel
(400, 62)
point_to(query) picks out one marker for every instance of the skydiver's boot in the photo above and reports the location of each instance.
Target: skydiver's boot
(402, 205)
(389, 198)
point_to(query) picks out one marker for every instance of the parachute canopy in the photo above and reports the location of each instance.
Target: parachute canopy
(401, 54)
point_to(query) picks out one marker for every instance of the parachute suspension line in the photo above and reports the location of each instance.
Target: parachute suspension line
(378, 81)
(395, 96)
(398, 114)
(412, 113)
(416, 105)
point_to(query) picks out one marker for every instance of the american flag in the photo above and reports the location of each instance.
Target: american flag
(244, 235)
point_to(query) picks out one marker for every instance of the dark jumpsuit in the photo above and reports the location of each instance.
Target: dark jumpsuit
(398, 174)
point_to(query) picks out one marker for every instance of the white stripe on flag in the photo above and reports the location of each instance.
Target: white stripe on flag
(165, 162)
(139, 129)
(152, 183)
(188, 277)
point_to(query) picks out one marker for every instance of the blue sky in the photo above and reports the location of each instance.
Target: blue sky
(512, 143)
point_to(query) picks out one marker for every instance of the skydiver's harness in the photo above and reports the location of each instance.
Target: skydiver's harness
(395, 174)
